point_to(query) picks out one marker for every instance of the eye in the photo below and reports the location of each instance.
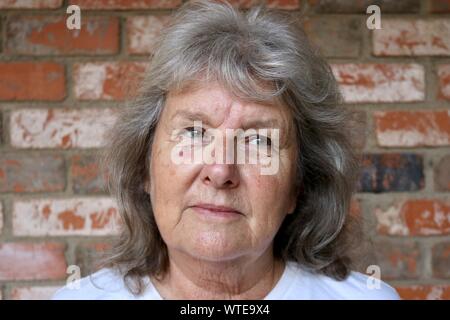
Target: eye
(258, 140)
(194, 132)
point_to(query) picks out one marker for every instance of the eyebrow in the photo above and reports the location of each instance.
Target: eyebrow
(190, 115)
(253, 124)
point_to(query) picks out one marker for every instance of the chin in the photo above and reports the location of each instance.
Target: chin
(214, 250)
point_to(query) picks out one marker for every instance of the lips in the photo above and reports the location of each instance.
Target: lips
(217, 210)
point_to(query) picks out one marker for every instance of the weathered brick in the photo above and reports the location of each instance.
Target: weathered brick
(444, 81)
(88, 256)
(441, 260)
(376, 82)
(63, 217)
(278, 4)
(391, 172)
(86, 175)
(1, 36)
(355, 208)
(397, 260)
(419, 37)
(31, 173)
(440, 6)
(32, 261)
(424, 292)
(61, 128)
(169, 4)
(335, 37)
(126, 4)
(44, 35)
(442, 174)
(30, 4)
(359, 129)
(414, 217)
(142, 32)
(32, 81)
(412, 129)
(107, 80)
(33, 293)
(345, 6)
(1, 218)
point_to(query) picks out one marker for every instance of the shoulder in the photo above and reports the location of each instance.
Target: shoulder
(104, 284)
(357, 286)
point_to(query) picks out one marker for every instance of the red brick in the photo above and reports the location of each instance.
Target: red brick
(440, 6)
(32, 81)
(355, 208)
(32, 261)
(412, 129)
(444, 81)
(442, 174)
(107, 80)
(30, 4)
(1, 218)
(126, 4)
(31, 173)
(86, 175)
(375, 82)
(360, 6)
(142, 32)
(335, 36)
(45, 35)
(278, 4)
(88, 256)
(1, 37)
(399, 37)
(169, 4)
(60, 128)
(33, 293)
(441, 260)
(1, 126)
(414, 217)
(424, 292)
(397, 260)
(359, 131)
(63, 217)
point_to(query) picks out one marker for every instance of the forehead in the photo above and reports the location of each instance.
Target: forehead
(218, 104)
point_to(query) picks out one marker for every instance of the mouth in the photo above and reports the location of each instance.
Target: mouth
(218, 211)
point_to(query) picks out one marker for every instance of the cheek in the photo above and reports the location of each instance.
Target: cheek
(264, 191)
(269, 194)
(164, 189)
(168, 187)
(161, 173)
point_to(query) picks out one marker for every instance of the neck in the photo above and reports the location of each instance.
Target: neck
(242, 278)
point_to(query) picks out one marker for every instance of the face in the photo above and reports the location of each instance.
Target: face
(219, 211)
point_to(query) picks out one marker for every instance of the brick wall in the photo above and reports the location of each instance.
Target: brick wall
(59, 90)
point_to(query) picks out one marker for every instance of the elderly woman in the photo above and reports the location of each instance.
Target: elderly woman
(198, 223)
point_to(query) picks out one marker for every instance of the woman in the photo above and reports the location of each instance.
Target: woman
(223, 229)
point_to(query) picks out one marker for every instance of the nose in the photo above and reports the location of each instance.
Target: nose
(223, 172)
(220, 176)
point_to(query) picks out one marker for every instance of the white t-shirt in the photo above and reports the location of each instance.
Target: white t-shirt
(296, 283)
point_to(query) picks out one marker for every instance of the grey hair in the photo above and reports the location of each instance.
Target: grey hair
(259, 55)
